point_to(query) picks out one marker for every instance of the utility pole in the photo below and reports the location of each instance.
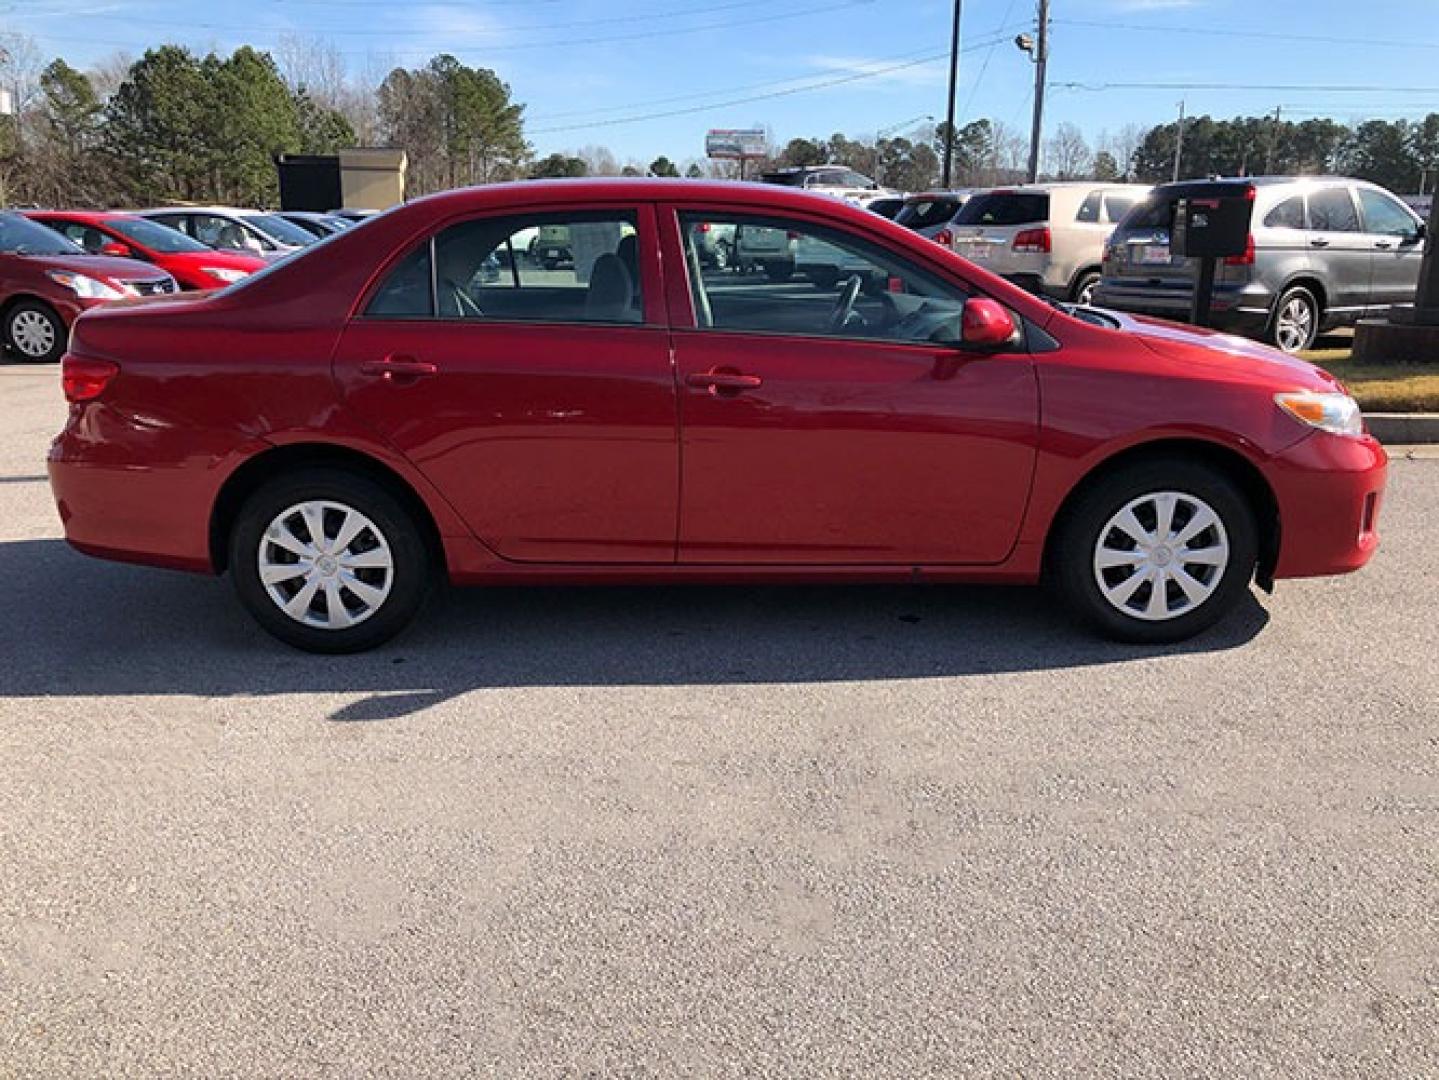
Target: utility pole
(1273, 141)
(953, 88)
(1179, 143)
(1041, 60)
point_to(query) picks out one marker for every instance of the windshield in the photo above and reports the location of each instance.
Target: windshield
(21, 236)
(286, 232)
(1005, 208)
(922, 213)
(155, 237)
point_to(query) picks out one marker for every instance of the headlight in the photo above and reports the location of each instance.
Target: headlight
(89, 288)
(1335, 413)
(226, 274)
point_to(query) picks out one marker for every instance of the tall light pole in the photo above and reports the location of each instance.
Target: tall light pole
(1038, 50)
(953, 88)
(1179, 143)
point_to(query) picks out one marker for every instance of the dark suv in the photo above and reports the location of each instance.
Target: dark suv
(1323, 252)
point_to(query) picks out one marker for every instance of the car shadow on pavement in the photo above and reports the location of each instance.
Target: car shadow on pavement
(77, 626)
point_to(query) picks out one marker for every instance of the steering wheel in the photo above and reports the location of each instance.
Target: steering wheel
(464, 302)
(844, 306)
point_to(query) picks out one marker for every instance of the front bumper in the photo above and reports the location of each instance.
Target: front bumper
(1330, 489)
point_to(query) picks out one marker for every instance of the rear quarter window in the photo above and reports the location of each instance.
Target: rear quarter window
(1005, 208)
(1289, 214)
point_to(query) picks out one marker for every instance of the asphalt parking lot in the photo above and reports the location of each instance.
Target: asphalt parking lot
(804, 831)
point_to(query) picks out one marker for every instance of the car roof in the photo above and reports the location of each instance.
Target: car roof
(525, 193)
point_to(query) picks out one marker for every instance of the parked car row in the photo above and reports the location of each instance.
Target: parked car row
(1323, 252)
(55, 264)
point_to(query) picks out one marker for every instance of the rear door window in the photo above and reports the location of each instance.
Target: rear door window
(1287, 215)
(922, 213)
(1005, 208)
(1332, 210)
(1117, 206)
(1089, 209)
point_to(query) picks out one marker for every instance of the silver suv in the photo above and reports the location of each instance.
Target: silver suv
(1323, 252)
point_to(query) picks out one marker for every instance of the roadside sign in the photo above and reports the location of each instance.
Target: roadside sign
(735, 144)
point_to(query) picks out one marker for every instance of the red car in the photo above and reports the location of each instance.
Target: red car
(417, 396)
(46, 281)
(110, 232)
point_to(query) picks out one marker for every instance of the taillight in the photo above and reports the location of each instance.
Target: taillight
(945, 237)
(85, 380)
(703, 227)
(1247, 259)
(1033, 240)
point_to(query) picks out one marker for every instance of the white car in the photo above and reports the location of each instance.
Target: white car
(227, 228)
(1047, 238)
(837, 181)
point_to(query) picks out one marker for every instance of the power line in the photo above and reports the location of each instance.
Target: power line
(1260, 35)
(1279, 87)
(869, 73)
(668, 13)
(521, 46)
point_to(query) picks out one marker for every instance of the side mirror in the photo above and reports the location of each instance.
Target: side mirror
(986, 326)
(117, 250)
(1421, 233)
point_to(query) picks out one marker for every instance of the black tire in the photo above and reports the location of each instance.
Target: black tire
(1277, 333)
(35, 312)
(1078, 535)
(550, 264)
(412, 562)
(1083, 286)
(779, 271)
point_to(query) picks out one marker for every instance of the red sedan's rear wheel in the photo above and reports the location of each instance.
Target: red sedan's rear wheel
(1157, 551)
(329, 561)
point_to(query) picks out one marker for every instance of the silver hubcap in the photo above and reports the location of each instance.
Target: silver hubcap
(326, 565)
(32, 333)
(1161, 556)
(1296, 325)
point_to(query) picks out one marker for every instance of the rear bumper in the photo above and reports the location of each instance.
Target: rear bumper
(1240, 311)
(157, 514)
(1330, 489)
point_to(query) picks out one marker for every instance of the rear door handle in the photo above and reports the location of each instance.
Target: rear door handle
(723, 380)
(1319, 241)
(1384, 245)
(398, 367)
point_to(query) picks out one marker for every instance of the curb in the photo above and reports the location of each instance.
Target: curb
(1402, 428)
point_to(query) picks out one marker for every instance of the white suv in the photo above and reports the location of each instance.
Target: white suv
(1048, 238)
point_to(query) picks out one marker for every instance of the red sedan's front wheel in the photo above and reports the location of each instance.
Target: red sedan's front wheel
(1157, 551)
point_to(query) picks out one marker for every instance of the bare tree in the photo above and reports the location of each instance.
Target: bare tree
(1069, 155)
(1122, 146)
(600, 159)
(107, 74)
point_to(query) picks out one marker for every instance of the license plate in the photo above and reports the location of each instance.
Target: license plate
(1154, 255)
(980, 252)
(552, 253)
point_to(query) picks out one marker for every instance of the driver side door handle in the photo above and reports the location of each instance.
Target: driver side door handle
(723, 380)
(398, 368)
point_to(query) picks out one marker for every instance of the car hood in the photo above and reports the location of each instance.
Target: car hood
(100, 266)
(229, 260)
(1195, 345)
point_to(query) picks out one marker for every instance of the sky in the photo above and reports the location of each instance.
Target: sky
(649, 77)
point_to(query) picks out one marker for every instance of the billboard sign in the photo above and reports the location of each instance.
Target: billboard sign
(735, 144)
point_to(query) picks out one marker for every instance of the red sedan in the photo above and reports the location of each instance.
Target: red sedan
(419, 396)
(110, 232)
(46, 282)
